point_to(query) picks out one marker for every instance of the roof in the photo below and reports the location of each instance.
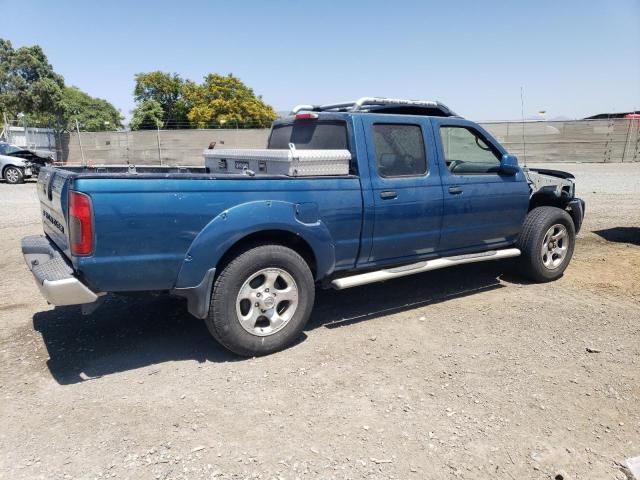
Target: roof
(382, 105)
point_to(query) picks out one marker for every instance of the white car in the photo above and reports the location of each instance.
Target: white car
(13, 169)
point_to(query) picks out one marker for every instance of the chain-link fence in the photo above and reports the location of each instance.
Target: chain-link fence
(607, 140)
(170, 147)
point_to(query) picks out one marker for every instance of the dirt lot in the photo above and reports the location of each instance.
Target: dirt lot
(466, 373)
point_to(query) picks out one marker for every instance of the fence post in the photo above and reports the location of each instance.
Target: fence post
(7, 130)
(80, 142)
(127, 140)
(158, 138)
(626, 142)
(636, 150)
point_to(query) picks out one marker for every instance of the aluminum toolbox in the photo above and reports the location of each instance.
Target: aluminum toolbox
(292, 162)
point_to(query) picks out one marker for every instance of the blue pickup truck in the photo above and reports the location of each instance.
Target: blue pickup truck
(426, 189)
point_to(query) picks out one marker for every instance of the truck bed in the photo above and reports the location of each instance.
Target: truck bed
(162, 171)
(147, 221)
(131, 169)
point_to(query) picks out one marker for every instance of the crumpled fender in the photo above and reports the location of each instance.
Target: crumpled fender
(234, 224)
(6, 160)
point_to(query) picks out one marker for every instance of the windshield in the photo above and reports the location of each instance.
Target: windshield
(310, 135)
(6, 149)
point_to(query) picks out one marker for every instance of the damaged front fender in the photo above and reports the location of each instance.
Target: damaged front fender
(555, 188)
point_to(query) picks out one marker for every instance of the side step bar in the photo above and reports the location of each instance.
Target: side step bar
(427, 265)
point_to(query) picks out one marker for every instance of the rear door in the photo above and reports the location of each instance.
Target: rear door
(405, 181)
(483, 208)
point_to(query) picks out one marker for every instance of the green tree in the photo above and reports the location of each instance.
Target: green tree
(167, 90)
(93, 114)
(147, 115)
(225, 99)
(28, 83)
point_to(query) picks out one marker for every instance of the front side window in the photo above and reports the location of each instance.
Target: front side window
(399, 150)
(467, 153)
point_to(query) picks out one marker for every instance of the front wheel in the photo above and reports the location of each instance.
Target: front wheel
(546, 241)
(261, 301)
(13, 175)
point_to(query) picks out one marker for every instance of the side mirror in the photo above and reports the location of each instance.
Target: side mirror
(509, 164)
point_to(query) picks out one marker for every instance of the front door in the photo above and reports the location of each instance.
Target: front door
(483, 208)
(406, 188)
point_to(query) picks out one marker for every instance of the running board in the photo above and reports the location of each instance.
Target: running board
(427, 265)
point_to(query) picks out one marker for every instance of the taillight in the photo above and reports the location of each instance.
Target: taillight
(80, 224)
(306, 116)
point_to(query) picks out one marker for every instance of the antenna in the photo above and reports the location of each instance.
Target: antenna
(524, 143)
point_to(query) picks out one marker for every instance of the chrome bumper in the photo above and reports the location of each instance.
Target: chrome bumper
(53, 275)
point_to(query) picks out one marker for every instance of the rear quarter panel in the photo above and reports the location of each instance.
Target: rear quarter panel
(144, 228)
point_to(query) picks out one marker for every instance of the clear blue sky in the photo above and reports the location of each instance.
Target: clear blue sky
(573, 58)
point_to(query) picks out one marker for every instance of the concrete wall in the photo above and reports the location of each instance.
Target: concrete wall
(570, 141)
(177, 147)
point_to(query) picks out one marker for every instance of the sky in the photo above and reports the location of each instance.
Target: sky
(571, 58)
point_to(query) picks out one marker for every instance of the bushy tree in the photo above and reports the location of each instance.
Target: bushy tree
(28, 83)
(225, 99)
(219, 100)
(147, 115)
(167, 90)
(93, 114)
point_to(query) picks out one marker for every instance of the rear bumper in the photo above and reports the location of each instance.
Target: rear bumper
(53, 275)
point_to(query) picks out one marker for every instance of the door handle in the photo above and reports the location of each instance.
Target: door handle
(388, 195)
(455, 190)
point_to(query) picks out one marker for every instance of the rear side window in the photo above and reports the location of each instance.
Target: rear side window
(310, 135)
(399, 149)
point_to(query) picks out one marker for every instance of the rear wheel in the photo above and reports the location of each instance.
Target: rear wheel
(261, 301)
(546, 241)
(13, 175)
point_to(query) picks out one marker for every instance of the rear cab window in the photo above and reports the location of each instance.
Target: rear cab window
(310, 135)
(313, 134)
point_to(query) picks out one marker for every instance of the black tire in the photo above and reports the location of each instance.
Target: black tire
(223, 320)
(538, 223)
(13, 175)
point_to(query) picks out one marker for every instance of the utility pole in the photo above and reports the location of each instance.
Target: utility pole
(24, 126)
(84, 162)
(524, 142)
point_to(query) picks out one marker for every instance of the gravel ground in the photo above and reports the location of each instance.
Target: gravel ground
(460, 373)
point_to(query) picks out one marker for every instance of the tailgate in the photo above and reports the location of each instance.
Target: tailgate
(53, 188)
